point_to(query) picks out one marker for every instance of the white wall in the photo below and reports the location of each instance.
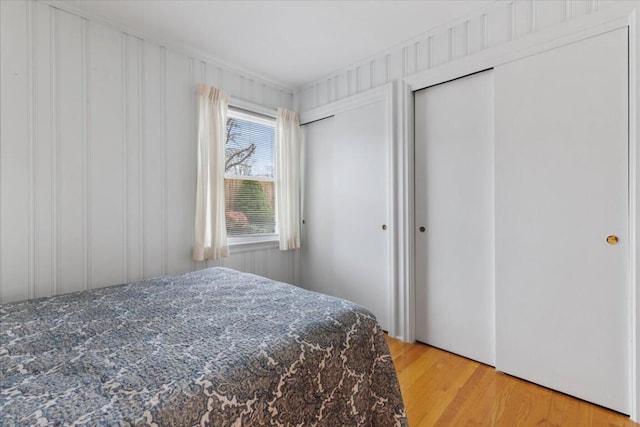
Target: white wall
(98, 153)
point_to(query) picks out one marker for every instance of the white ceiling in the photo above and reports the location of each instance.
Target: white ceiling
(290, 42)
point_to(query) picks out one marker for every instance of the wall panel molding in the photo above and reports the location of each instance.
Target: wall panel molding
(141, 153)
(86, 129)
(183, 49)
(163, 157)
(42, 152)
(124, 107)
(495, 25)
(32, 150)
(100, 127)
(55, 157)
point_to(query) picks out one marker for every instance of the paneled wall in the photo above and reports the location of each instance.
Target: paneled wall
(500, 23)
(98, 153)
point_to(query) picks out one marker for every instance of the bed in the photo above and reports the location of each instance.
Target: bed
(213, 347)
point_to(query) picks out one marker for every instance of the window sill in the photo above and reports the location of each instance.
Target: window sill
(253, 243)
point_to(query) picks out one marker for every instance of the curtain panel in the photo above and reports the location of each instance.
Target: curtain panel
(210, 240)
(288, 177)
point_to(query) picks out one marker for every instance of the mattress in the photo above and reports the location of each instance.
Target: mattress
(213, 347)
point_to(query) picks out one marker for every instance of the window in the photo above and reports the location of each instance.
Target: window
(250, 175)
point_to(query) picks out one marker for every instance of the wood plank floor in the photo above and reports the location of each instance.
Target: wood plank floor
(443, 389)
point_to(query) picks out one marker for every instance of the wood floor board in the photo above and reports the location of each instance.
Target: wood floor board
(449, 379)
(471, 403)
(444, 389)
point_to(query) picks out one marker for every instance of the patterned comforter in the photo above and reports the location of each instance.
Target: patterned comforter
(213, 347)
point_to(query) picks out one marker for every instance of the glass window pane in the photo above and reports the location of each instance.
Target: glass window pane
(250, 174)
(250, 207)
(249, 147)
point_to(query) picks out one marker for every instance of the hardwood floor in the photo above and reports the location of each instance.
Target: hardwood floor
(443, 389)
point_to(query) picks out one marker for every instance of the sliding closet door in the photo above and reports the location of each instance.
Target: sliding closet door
(454, 190)
(562, 242)
(346, 203)
(318, 227)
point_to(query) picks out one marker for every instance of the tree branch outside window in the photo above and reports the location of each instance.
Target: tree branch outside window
(238, 159)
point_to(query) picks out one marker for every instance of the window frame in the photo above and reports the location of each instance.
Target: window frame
(257, 114)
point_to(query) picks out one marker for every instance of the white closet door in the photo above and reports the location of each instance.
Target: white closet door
(345, 250)
(318, 228)
(562, 291)
(454, 194)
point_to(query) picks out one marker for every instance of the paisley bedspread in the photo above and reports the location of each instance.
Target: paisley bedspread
(212, 348)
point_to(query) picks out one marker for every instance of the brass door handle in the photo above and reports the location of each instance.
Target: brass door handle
(612, 240)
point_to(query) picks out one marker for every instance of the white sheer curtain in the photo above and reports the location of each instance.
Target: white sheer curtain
(210, 240)
(288, 178)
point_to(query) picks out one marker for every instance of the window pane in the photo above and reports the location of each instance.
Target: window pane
(250, 151)
(249, 147)
(249, 206)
